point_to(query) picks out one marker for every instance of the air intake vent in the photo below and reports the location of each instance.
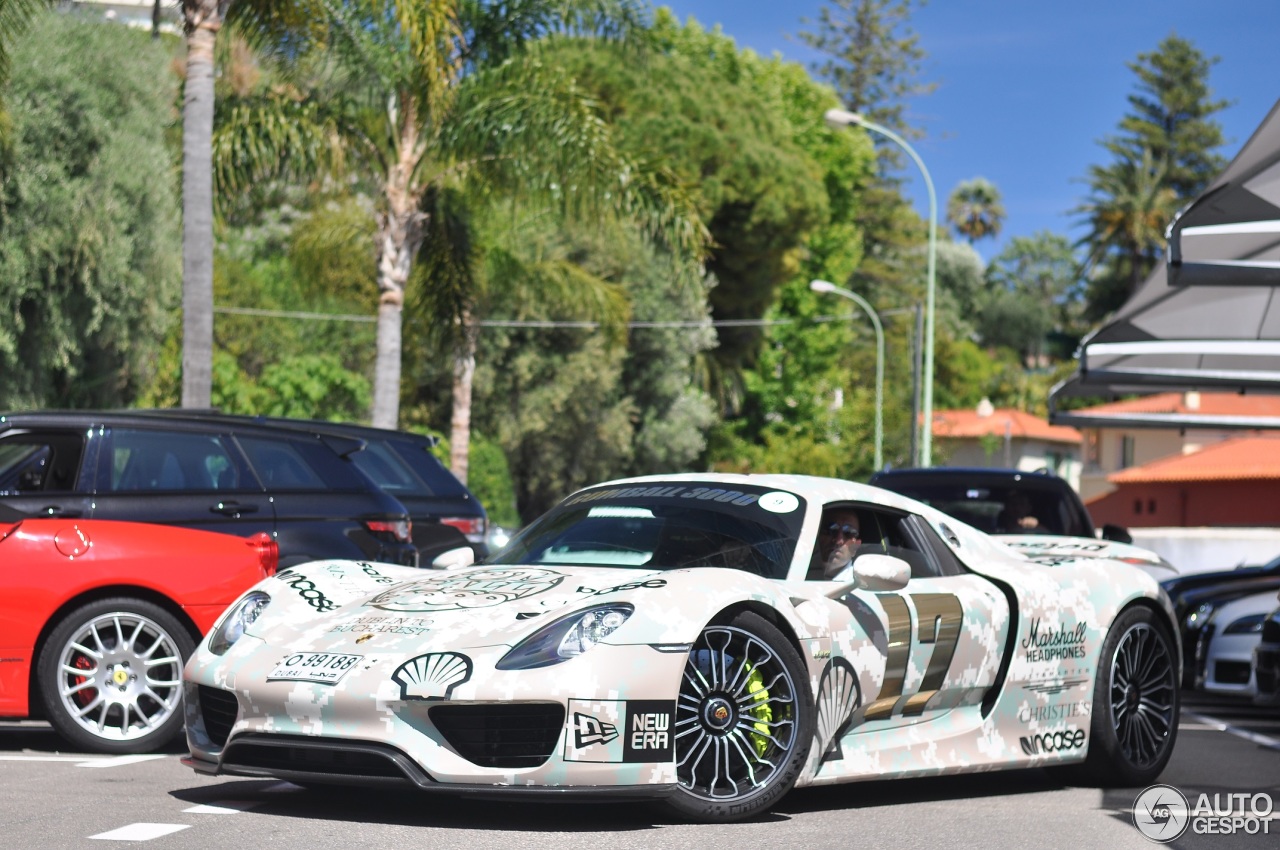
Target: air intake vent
(501, 735)
(219, 709)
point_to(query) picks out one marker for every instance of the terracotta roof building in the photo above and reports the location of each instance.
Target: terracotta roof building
(1233, 482)
(1002, 437)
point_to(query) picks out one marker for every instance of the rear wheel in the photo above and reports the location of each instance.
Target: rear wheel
(110, 676)
(744, 721)
(1135, 702)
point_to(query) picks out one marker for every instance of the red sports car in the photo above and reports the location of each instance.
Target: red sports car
(98, 617)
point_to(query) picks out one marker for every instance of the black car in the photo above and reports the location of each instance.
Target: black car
(1000, 501)
(445, 514)
(1195, 596)
(178, 468)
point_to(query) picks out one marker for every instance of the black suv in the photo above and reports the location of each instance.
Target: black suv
(445, 514)
(219, 474)
(994, 500)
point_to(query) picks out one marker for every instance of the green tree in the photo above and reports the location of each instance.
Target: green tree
(1162, 158)
(88, 246)
(1171, 116)
(1034, 288)
(414, 97)
(873, 62)
(722, 119)
(15, 17)
(974, 209)
(874, 59)
(1130, 205)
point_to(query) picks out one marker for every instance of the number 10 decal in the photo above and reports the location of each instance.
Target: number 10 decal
(940, 616)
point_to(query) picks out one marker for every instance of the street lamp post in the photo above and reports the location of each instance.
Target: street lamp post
(826, 286)
(844, 118)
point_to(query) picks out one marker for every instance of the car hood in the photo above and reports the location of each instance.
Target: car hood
(328, 606)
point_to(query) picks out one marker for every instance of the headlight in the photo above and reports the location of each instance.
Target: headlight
(1199, 616)
(1250, 625)
(567, 637)
(236, 621)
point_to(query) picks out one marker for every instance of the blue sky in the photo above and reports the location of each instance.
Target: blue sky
(1027, 88)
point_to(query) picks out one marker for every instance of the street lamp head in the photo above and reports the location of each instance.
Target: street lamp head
(822, 286)
(838, 118)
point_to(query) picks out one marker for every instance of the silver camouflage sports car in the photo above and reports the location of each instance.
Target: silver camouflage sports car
(697, 639)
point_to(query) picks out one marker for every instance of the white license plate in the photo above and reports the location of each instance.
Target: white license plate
(323, 667)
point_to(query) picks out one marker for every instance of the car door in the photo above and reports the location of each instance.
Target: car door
(187, 477)
(41, 471)
(931, 646)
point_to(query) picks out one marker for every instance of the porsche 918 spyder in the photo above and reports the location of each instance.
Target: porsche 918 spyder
(683, 638)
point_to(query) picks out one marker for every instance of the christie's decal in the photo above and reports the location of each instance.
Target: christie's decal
(706, 494)
(1050, 713)
(1049, 645)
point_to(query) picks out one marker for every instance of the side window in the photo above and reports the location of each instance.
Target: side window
(40, 463)
(287, 464)
(142, 460)
(879, 532)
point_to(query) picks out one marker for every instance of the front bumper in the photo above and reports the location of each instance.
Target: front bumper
(594, 723)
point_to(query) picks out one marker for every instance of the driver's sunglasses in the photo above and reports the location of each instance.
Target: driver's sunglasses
(836, 529)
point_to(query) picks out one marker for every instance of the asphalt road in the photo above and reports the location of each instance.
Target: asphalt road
(54, 798)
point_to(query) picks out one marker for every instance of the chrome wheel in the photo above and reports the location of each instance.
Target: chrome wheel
(737, 716)
(111, 676)
(1143, 695)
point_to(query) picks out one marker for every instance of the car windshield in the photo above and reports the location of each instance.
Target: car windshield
(666, 526)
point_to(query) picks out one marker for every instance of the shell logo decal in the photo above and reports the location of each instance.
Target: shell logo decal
(432, 676)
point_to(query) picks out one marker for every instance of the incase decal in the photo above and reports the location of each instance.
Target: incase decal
(1052, 742)
(307, 589)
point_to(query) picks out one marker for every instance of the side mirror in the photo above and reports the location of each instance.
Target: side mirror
(881, 572)
(1118, 533)
(463, 556)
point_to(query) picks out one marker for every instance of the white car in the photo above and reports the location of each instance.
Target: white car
(679, 638)
(1224, 651)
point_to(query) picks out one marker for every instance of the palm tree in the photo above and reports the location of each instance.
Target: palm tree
(202, 20)
(419, 97)
(1129, 206)
(974, 209)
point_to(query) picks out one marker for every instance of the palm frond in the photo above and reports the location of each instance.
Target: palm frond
(527, 128)
(273, 136)
(501, 29)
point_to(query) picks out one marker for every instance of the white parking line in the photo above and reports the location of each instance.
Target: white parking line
(141, 831)
(224, 807)
(1219, 726)
(117, 761)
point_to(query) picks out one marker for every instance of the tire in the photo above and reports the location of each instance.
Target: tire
(1135, 703)
(110, 676)
(744, 721)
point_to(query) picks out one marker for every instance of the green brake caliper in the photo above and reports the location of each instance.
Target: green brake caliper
(760, 711)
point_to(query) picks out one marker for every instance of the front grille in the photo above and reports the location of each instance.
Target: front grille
(1231, 672)
(501, 735)
(219, 709)
(320, 758)
(1271, 629)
